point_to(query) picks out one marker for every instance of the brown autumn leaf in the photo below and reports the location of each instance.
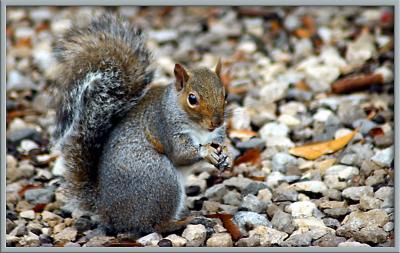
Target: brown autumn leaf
(227, 222)
(315, 150)
(249, 156)
(28, 187)
(39, 207)
(377, 131)
(241, 134)
(125, 244)
(258, 178)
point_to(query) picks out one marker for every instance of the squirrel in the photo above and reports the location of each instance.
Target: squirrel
(126, 144)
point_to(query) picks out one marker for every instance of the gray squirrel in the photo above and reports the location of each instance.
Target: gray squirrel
(126, 144)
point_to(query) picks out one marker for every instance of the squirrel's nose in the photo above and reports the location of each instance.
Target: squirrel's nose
(215, 122)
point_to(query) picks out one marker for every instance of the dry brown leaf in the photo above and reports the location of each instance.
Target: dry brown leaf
(125, 244)
(28, 187)
(242, 134)
(227, 222)
(315, 150)
(250, 156)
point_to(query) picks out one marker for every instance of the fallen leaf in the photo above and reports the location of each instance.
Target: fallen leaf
(258, 178)
(249, 156)
(241, 134)
(227, 222)
(28, 187)
(377, 131)
(315, 150)
(39, 207)
(125, 244)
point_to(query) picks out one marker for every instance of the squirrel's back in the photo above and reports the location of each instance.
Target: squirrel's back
(103, 70)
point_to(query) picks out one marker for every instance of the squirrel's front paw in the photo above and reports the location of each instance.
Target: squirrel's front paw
(215, 154)
(210, 153)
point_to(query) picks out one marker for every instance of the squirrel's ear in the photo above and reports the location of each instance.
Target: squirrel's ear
(181, 76)
(218, 68)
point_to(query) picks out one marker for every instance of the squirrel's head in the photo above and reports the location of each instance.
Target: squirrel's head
(201, 95)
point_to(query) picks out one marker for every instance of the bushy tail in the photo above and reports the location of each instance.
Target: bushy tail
(102, 70)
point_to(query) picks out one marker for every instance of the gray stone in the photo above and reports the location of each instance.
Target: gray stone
(343, 172)
(384, 157)
(251, 143)
(40, 196)
(238, 182)
(283, 222)
(370, 235)
(244, 220)
(377, 178)
(252, 203)
(66, 235)
(176, 240)
(355, 193)
(333, 194)
(232, 198)
(298, 240)
(329, 240)
(310, 186)
(253, 188)
(337, 212)
(195, 235)
(331, 223)
(348, 113)
(281, 161)
(386, 194)
(284, 194)
(388, 226)
(268, 236)
(352, 244)
(368, 203)
(216, 192)
(253, 241)
(220, 240)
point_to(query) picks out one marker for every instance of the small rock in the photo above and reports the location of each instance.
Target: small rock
(283, 222)
(220, 240)
(329, 240)
(280, 161)
(40, 196)
(250, 220)
(298, 240)
(232, 198)
(48, 216)
(19, 230)
(355, 193)
(216, 192)
(164, 243)
(72, 244)
(253, 241)
(331, 223)
(273, 129)
(384, 157)
(251, 143)
(388, 226)
(149, 239)
(99, 241)
(333, 194)
(67, 235)
(368, 203)
(268, 236)
(252, 203)
(310, 186)
(301, 209)
(163, 36)
(348, 113)
(29, 214)
(253, 188)
(386, 194)
(176, 240)
(284, 194)
(342, 171)
(352, 244)
(195, 235)
(370, 235)
(238, 182)
(356, 220)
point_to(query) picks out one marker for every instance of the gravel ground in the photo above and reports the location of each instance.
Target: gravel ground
(286, 70)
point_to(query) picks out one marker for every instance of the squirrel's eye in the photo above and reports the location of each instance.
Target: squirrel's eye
(192, 99)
